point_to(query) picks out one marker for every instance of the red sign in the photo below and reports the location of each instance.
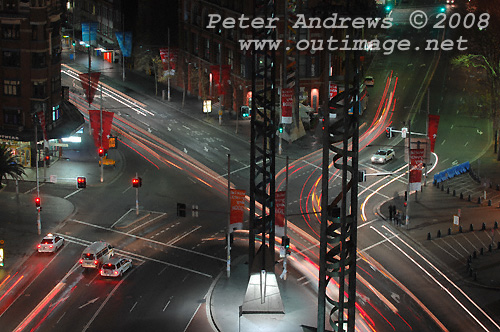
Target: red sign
(41, 117)
(220, 83)
(90, 87)
(95, 124)
(416, 165)
(286, 105)
(333, 90)
(432, 129)
(168, 59)
(237, 208)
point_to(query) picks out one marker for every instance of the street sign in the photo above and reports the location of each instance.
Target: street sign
(404, 131)
(456, 220)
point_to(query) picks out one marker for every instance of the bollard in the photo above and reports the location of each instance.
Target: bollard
(442, 188)
(489, 248)
(495, 226)
(434, 183)
(498, 187)
(479, 200)
(439, 233)
(428, 236)
(483, 226)
(471, 228)
(474, 254)
(470, 271)
(489, 202)
(461, 196)
(460, 230)
(454, 193)
(468, 198)
(448, 190)
(481, 251)
(449, 231)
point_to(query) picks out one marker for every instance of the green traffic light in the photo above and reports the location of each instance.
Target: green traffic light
(443, 9)
(388, 8)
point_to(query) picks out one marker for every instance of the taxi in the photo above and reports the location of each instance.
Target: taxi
(50, 243)
(115, 267)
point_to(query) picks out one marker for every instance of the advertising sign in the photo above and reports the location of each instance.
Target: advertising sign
(333, 90)
(237, 209)
(286, 105)
(95, 124)
(432, 129)
(279, 213)
(90, 87)
(416, 165)
(125, 42)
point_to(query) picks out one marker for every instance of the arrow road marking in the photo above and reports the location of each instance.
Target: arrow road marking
(89, 302)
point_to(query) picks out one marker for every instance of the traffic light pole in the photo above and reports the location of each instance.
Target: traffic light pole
(285, 217)
(229, 215)
(38, 217)
(102, 157)
(137, 196)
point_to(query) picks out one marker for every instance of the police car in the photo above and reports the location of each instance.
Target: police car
(115, 267)
(50, 243)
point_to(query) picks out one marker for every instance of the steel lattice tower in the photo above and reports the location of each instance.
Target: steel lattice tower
(263, 141)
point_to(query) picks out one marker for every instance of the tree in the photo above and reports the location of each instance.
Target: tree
(9, 165)
(149, 62)
(483, 52)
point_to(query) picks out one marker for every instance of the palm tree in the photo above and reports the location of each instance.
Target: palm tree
(9, 165)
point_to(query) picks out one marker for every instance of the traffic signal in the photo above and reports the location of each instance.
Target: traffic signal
(388, 132)
(280, 128)
(1, 256)
(81, 182)
(137, 182)
(101, 152)
(362, 176)
(285, 242)
(181, 210)
(388, 8)
(37, 202)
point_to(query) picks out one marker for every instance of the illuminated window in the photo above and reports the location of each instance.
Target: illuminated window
(11, 88)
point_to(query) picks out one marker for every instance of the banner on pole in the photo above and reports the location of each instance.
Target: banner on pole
(333, 88)
(416, 166)
(220, 83)
(95, 124)
(90, 87)
(125, 42)
(279, 213)
(286, 105)
(432, 129)
(237, 209)
(89, 33)
(41, 118)
(169, 58)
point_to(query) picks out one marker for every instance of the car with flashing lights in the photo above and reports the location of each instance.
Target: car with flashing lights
(382, 156)
(96, 254)
(50, 243)
(115, 267)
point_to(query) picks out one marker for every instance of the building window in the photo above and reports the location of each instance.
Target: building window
(11, 31)
(56, 83)
(206, 54)
(38, 60)
(11, 58)
(34, 32)
(40, 90)
(12, 117)
(230, 58)
(218, 54)
(11, 88)
(55, 113)
(195, 44)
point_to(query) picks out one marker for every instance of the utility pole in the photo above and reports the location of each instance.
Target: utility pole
(168, 64)
(38, 216)
(409, 172)
(229, 215)
(102, 157)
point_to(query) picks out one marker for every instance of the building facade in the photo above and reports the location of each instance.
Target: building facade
(30, 75)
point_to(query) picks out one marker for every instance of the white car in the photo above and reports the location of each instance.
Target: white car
(450, 1)
(383, 155)
(50, 243)
(115, 267)
(369, 81)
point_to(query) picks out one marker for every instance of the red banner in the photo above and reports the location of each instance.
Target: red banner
(237, 209)
(279, 213)
(220, 83)
(41, 117)
(333, 90)
(169, 59)
(95, 124)
(432, 129)
(286, 105)
(416, 165)
(91, 88)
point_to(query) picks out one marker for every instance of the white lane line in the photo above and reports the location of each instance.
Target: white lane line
(147, 222)
(374, 245)
(443, 288)
(119, 219)
(228, 149)
(74, 192)
(133, 306)
(166, 305)
(178, 238)
(306, 162)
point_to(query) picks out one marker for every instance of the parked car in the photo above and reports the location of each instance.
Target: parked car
(382, 156)
(115, 267)
(50, 243)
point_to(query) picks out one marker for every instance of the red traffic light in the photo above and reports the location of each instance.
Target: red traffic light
(81, 182)
(37, 201)
(101, 152)
(47, 158)
(136, 182)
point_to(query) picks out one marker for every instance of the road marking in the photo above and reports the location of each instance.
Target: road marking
(305, 161)
(374, 245)
(89, 302)
(166, 305)
(119, 219)
(177, 238)
(133, 306)
(228, 149)
(74, 192)
(186, 127)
